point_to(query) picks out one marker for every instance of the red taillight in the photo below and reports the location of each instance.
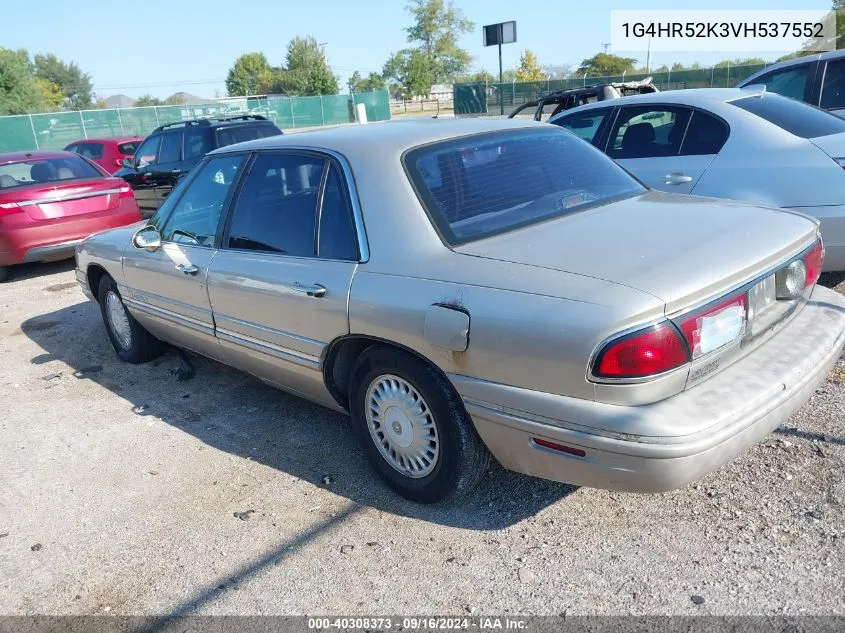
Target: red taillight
(641, 354)
(539, 441)
(126, 192)
(715, 326)
(814, 260)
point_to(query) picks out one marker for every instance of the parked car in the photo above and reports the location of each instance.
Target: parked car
(816, 79)
(554, 103)
(543, 306)
(745, 145)
(108, 153)
(173, 149)
(50, 201)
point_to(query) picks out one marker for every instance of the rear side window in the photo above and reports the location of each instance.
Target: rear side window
(47, 170)
(705, 135)
(128, 149)
(586, 125)
(833, 88)
(276, 211)
(239, 133)
(793, 116)
(791, 82)
(485, 184)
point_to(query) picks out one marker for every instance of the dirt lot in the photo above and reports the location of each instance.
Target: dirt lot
(126, 491)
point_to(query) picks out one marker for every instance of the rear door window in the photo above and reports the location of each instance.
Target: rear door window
(833, 87)
(705, 135)
(793, 116)
(586, 125)
(648, 131)
(197, 143)
(790, 82)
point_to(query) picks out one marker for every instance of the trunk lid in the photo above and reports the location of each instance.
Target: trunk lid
(681, 249)
(67, 199)
(832, 145)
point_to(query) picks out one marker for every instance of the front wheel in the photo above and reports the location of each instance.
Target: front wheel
(130, 340)
(414, 428)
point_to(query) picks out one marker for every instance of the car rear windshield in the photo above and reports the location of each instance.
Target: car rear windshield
(239, 133)
(45, 170)
(796, 117)
(128, 149)
(477, 186)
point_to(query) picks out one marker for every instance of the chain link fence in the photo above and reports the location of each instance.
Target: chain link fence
(56, 130)
(483, 98)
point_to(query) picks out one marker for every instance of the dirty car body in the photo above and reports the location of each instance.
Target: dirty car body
(555, 312)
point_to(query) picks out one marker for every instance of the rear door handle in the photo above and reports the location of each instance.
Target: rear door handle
(676, 178)
(188, 269)
(312, 291)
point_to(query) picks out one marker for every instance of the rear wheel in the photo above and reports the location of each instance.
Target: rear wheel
(414, 428)
(130, 340)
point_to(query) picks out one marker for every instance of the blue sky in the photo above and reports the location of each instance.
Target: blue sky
(163, 47)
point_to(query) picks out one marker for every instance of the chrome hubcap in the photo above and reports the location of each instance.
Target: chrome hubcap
(402, 426)
(118, 320)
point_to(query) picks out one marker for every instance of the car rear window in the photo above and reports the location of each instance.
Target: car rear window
(45, 170)
(796, 117)
(240, 133)
(485, 184)
(128, 149)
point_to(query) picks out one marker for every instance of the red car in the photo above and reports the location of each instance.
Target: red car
(50, 201)
(108, 153)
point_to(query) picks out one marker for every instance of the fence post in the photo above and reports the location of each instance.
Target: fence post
(82, 120)
(728, 79)
(712, 70)
(292, 118)
(120, 120)
(155, 111)
(34, 135)
(322, 113)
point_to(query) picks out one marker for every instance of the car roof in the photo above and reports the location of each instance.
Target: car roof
(690, 97)
(386, 136)
(807, 59)
(108, 139)
(15, 157)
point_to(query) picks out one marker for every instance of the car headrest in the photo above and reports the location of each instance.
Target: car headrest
(41, 172)
(64, 173)
(7, 181)
(637, 134)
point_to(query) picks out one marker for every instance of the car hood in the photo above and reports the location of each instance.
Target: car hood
(681, 249)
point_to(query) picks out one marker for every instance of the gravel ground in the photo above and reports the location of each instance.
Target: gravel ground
(126, 491)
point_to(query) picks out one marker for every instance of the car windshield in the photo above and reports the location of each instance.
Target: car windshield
(481, 185)
(45, 170)
(796, 117)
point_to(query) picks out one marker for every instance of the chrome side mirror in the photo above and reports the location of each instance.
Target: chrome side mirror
(147, 238)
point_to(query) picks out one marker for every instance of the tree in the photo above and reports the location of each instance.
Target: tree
(529, 68)
(306, 70)
(741, 61)
(436, 56)
(147, 100)
(251, 74)
(20, 93)
(52, 96)
(75, 84)
(373, 83)
(605, 65)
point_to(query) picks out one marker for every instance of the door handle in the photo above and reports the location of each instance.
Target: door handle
(312, 291)
(188, 269)
(676, 178)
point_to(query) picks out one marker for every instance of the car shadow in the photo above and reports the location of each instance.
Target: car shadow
(22, 272)
(831, 280)
(236, 413)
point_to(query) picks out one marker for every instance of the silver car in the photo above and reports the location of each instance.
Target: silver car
(539, 305)
(744, 145)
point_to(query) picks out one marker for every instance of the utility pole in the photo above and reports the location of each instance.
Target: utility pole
(606, 45)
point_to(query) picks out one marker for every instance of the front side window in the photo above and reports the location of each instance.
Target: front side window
(147, 154)
(796, 117)
(45, 171)
(791, 82)
(511, 179)
(276, 211)
(171, 148)
(833, 88)
(648, 132)
(196, 214)
(586, 125)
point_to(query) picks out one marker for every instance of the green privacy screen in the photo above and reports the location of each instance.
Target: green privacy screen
(480, 98)
(56, 130)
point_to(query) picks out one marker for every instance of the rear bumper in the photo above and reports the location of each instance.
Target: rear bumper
(740, 405)
(25, 240)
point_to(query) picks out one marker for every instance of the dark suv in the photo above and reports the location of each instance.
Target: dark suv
(171, 150)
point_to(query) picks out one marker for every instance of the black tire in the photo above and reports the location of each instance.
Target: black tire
(463, 458)
(142, 346)
(4, 272)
